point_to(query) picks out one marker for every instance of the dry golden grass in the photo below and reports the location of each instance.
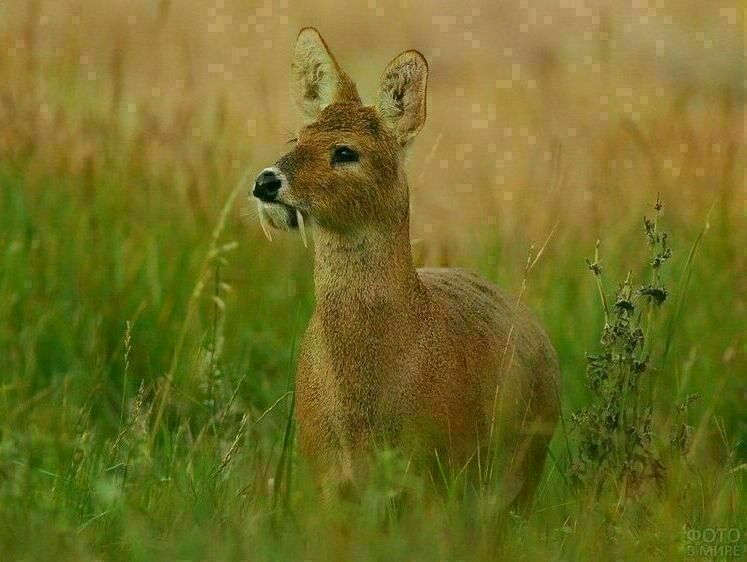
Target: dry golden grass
(565, 111)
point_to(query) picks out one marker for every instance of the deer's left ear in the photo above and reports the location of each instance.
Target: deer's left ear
(317, 79)
(401, 101)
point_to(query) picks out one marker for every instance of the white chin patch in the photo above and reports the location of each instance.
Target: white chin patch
(272, 216)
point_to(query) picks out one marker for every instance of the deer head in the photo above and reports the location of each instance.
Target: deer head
(345, 171)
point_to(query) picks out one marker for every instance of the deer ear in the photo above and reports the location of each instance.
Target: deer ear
(401, 101)
(317, 79)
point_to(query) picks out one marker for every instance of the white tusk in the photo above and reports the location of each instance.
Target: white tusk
(263, 224)
(302, 228)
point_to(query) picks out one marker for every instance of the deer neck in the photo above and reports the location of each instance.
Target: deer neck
(364, 270)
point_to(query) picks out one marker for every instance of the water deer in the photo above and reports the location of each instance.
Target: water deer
(435, 360)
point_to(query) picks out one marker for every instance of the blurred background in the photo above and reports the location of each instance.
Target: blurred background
(518, 91)
(125, 125)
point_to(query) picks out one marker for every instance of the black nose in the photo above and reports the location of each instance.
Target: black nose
(266, 186)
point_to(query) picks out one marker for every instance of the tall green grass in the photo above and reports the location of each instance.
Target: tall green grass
(146, 355)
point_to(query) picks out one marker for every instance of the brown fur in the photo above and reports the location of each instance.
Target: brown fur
(415, 358)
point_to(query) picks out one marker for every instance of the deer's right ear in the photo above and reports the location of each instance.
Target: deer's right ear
(317, 79)
(401, 101)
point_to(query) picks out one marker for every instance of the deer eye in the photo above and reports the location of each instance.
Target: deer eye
(344, 154)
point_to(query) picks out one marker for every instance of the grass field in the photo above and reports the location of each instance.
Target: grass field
(147, 329)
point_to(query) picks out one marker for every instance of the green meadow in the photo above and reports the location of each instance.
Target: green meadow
(148, 330)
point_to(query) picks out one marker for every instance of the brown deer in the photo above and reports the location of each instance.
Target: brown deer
(437, 361)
